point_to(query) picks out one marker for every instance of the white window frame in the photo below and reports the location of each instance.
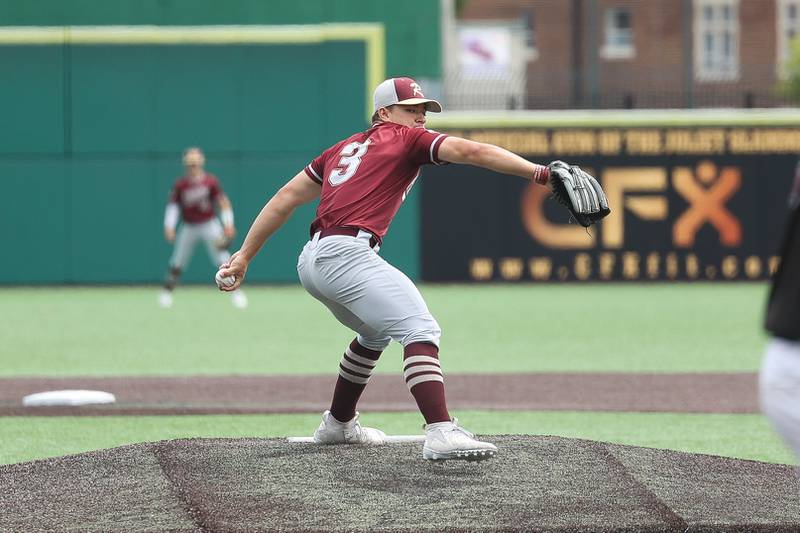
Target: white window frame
(612, 49)
(784, 28)
(718, 71)
(464, 88)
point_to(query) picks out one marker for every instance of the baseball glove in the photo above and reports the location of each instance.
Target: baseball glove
(579, 192)
(223, 243)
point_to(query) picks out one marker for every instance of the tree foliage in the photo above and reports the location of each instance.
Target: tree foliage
(789, 86)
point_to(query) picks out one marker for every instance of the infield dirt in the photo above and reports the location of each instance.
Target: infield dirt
(688, 393)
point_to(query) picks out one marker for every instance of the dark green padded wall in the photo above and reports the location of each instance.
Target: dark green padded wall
(93, 133)
(412, 26)
(98, 190)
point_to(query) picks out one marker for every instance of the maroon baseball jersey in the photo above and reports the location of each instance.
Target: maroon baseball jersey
(196, 197)
(366, 177)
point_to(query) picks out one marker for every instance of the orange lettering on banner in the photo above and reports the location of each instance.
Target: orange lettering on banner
(609, 142)
(707, 203)
(481, 268)
(672, 265)
(574, 142)
(557, 236)
(692, 266)
(643, 141)
(540, 268)
(698, 141)
(730, 266)
(607, 261)
(752, 266)
(583, 266)
(511, 268)
(653, 265)
(617, 182)
(774, 263)
(630, 265)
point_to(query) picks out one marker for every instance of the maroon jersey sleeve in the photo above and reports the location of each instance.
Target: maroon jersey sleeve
(316, 168)
(423, 146)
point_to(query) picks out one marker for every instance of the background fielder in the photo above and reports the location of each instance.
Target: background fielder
(192, 199)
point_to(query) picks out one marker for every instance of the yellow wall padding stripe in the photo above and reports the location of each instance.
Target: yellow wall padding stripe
(372, 34)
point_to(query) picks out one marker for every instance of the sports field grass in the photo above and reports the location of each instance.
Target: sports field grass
(495, 328)
(740, 436)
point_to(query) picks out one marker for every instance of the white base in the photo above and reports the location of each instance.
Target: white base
(68, 397)
(389, 439)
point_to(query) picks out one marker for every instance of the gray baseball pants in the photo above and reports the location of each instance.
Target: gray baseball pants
(779, 388)
(210, 232)
(364, 292)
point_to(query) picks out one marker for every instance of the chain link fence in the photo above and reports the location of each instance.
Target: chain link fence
(642, 88)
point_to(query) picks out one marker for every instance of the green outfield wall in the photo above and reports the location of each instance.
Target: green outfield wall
(96, 117)
(412, 33)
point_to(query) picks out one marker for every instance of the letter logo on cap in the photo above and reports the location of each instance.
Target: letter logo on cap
(417, 89)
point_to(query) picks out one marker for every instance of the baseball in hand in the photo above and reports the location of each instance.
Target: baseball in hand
(226, 281)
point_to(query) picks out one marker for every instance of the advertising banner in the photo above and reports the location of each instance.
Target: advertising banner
(688, 203)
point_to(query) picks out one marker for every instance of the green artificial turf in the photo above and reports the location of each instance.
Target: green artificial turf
(689, 327)
(741, 436)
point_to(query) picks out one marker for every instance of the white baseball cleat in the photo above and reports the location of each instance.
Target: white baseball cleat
(447, 440)
(165, 299)
(239, 299)
(331, 431)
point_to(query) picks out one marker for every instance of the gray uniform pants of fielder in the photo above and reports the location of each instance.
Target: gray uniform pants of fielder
(210, 232)
(779, 386)
(365, 293)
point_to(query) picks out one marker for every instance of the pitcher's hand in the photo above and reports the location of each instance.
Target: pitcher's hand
(236, 266)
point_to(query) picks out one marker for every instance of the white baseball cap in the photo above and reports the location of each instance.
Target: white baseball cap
(403, 91)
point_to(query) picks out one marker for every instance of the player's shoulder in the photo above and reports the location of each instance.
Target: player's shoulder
(334, 149)
(211, 178)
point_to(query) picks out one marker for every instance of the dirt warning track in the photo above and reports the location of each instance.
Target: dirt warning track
(688, 393)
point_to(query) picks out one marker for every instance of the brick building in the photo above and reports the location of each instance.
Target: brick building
(629, 53)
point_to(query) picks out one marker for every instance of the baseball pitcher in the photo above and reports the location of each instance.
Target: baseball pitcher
(361, 183)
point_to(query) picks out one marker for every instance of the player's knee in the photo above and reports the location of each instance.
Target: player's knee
(374, 343)
(175, 271)
(422, 329)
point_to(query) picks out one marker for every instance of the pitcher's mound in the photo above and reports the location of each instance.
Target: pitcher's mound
(534, 484)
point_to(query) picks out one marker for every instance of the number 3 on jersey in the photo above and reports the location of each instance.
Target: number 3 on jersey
(348, 163)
